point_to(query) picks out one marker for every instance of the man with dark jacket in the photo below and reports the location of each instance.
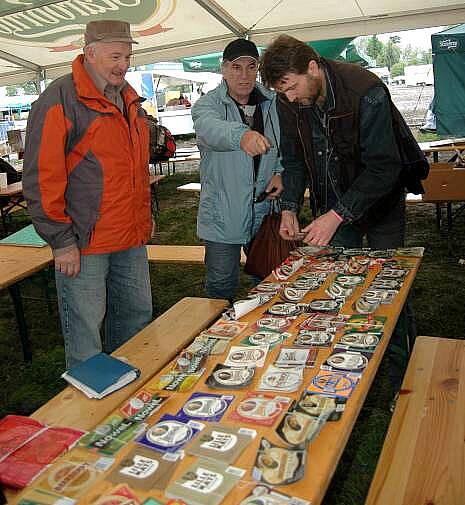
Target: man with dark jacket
(86, 182)
(339, 141)
(339, 138)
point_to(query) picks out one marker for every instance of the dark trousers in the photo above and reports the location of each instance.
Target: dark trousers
(387, 233)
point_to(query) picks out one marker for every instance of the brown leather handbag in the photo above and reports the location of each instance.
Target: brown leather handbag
(268, 249)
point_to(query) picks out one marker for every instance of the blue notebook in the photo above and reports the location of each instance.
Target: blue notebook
(100, 375)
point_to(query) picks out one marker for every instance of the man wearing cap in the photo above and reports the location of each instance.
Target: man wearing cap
(238, 136)
(86, 183)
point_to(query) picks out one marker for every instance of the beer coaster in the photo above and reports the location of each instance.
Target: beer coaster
(220, 442)
(314, 338)
(226, 377)
(169, 434)
(350, 361)
(325, 305)
(315, 404)
(276, 466)
(359, 340)
(247, 356)
(205, 406)
(264, 337)
(333, 383)
(262, 409)
(205, 482)
(280, 379)
(264, 495)
(144, 469)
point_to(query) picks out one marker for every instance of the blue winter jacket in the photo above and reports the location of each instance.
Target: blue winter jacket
(227, 213)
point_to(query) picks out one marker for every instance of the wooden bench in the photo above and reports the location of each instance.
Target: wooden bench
(186, 155)
(423, 457)
(18, 263)
(149, 351)
(188, 254)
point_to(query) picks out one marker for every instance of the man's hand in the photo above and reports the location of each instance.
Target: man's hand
(253, 143)
(289, 227)
(69, 263)
(275, 187)
(154, 228)
(321, 230)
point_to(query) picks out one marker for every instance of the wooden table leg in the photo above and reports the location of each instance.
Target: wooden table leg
(15, 294)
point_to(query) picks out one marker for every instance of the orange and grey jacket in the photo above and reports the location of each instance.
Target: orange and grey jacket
(86, 179)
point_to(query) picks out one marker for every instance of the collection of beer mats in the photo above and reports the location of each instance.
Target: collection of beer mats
(241, 385)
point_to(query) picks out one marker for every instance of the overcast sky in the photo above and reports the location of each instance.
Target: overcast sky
(416, 38)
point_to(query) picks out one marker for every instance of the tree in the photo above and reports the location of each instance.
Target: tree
(11, 91)
(425, 57)
(409, 55)
(30, 88)
(374, 47)
(397, 69)
(391, 53)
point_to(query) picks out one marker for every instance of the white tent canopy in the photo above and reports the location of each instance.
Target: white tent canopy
(40, 38)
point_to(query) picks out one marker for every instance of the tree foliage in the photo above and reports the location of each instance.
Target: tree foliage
(397, 69)
(390, 54)
(374, 47)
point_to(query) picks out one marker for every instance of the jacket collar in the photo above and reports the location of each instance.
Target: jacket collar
(259, 88)
(87, 90)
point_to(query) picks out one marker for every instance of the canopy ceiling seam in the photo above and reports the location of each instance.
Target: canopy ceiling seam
(359, 8)
(19, 61)
(265, 14)
(223, 17)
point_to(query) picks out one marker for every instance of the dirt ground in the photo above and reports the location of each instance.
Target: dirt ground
(412, 102)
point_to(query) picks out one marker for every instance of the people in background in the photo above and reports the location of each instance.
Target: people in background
(86, 182)
(238, 136)
(182, 100)
(339, 141)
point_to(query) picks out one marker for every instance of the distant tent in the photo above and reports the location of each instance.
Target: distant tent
(212, 62)
(449, 80)
(351, 55)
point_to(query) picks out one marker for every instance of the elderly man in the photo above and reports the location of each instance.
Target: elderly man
(87, 187)
(238, 136)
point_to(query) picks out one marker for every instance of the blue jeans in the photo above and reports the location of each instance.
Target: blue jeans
(223, 267)
(114, 287)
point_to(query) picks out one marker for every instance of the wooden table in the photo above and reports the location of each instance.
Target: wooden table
(183, 155)
(17, 263)
(11, 197)
(324, 452)
(423, 457)
(457, 146)
(444, 186)
(150, 350)
(195, 187)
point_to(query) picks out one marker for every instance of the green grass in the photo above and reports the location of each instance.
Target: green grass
(438, 293)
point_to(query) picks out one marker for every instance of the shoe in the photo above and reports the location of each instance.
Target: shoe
(393, 403)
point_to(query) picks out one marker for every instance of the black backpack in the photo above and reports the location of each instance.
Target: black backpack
(162, 144)
(415, 166)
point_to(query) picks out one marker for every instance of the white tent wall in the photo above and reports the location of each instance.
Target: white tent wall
(40, 36)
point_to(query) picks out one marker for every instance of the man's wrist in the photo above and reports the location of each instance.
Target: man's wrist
(335, 214)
